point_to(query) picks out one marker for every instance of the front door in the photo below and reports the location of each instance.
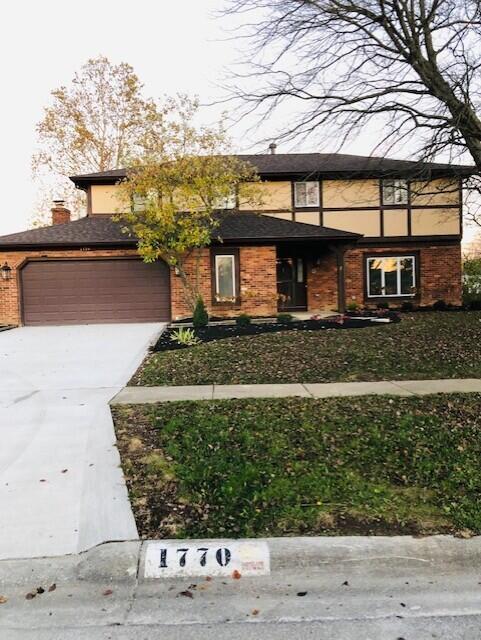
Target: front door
(291, 284)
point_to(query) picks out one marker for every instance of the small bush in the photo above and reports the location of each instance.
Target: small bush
(243, 320)
(440, 305)
(284, 318)
(352, 306)
(185, 336)
(382, 305)
(200, 317)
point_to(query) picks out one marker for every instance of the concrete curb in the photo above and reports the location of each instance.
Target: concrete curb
(123, 562)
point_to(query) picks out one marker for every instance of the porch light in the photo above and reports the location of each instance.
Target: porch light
(6, 271)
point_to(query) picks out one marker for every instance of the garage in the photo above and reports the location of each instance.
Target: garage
(94, 291)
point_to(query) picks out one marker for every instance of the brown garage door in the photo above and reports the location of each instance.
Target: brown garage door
(94, 291)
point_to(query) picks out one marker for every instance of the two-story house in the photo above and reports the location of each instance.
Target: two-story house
(332, 229)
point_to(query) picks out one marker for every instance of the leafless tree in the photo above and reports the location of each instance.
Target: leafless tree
(410, 66)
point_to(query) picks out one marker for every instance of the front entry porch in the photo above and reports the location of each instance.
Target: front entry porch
(310, 278)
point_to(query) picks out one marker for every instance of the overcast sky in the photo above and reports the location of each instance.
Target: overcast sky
(173, 47)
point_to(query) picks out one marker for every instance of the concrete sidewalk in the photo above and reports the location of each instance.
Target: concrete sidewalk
(150, 395)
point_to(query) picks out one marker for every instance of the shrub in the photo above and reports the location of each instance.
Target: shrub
(243, 320)
(185, 336)
(352, 306)
(284, 318)
(383, 305)
(440, 305)
(200, 317)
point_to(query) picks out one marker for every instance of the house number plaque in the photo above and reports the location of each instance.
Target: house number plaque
(234, 558)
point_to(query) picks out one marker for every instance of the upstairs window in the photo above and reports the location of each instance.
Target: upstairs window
(391, 276)
(306, 194)
(395, 191)
(227, 202)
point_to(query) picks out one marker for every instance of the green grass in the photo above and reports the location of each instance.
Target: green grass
(299, 466)
(423, 345)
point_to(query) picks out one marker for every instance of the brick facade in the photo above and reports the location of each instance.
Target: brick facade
(439, 267)
(322, 283)
(258, 287)
(440, 271)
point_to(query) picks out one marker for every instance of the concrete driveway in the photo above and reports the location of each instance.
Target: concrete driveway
(61, 487)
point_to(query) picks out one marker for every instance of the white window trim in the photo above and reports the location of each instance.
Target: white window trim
(232, 258)
(307, 206)
(405, 190)
(383, 277)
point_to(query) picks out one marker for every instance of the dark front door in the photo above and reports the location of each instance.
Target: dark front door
(291, 284)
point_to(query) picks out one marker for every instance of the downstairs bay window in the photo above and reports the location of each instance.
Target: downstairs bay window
(391, 276)
(225, 276)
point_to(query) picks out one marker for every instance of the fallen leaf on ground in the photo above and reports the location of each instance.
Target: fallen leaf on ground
(186, 594)
(236, 575)
(3, 599)
(108, 592)
(255, 612)
(40, 590)
(52, 587)
(345, 583)
(302, 593)
(30, 596)
(64, 470)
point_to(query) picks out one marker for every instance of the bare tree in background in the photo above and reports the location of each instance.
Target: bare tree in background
(93, 125)
(410, 66)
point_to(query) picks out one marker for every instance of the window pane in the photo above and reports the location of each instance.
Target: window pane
(229, 202)
(401, 191)
(312, 194)
(300, 270)
(390, 276)
(139, 202)
(300, 194)
(375, 283)
(387, 192)
(225, 276)
(407, 275)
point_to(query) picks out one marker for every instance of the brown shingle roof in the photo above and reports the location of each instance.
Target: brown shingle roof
(103, 231)
(319, 165)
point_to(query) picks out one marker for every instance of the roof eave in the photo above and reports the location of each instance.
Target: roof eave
(18, 246)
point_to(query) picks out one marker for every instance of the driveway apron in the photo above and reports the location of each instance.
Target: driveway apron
(61, 486)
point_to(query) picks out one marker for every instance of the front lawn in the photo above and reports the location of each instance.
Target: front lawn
(421, 346)
(297, 466)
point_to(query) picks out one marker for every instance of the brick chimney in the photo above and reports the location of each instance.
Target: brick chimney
(60, 214)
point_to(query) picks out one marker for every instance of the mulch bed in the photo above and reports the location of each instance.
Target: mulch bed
(219, 332)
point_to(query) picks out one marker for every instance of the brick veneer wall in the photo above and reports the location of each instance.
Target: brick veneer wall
(322, 283)
(258, 286)
(10, 289)
(440, 267)
(440, 273)
(257, 280)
